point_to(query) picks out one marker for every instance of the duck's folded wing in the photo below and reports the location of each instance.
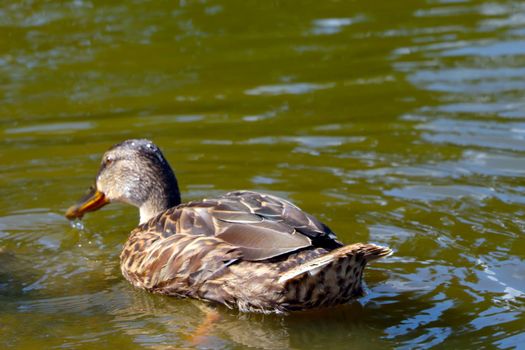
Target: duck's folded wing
(278, 209)
(261, 226)
(262, 240)
(256, 237)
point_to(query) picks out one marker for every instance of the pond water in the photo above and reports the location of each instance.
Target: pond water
(398, 123)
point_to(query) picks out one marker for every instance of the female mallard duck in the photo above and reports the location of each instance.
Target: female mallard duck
(251, 250)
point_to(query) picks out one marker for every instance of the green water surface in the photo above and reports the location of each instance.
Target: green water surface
(395, 122)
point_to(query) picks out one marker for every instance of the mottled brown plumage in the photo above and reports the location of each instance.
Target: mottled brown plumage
(245, 249)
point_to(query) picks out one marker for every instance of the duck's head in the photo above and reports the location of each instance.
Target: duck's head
(133, 172)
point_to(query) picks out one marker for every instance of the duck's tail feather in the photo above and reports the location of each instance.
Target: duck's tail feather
(332, 278)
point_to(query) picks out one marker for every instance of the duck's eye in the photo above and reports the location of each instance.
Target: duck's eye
(108, 160)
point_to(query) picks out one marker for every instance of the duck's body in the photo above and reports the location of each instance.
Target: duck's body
(249, 250)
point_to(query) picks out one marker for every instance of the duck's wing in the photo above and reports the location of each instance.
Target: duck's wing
(260, 226)
(278, 209)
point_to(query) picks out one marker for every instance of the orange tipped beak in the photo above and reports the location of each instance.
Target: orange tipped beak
(92, 201)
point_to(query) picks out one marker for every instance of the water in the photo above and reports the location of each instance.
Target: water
(396, 123)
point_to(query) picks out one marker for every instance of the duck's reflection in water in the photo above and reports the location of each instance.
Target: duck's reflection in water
(162, 322)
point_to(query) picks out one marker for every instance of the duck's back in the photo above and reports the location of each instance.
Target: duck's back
(261, 225)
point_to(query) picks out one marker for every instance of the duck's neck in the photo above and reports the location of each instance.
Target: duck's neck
(163, 196)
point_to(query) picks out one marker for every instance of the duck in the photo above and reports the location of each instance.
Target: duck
(248, 250)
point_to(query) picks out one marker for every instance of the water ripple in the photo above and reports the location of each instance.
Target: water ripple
(292, 89)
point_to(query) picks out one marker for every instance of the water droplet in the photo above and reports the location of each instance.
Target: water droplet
(78, 224)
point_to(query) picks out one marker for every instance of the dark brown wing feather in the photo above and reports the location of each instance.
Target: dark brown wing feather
(279, 209)
(261, 226)
(263, 240)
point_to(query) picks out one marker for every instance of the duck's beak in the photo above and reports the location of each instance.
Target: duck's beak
(92, 201)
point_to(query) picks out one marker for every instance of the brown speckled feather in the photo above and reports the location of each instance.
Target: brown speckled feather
(254, 251)
(260, 225)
